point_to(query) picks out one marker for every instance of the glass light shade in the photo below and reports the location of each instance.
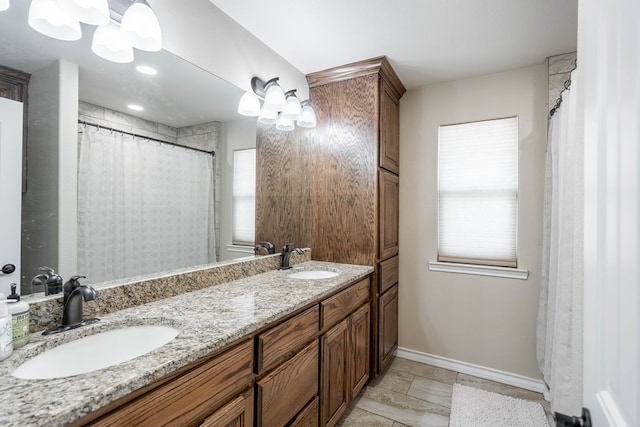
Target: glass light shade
(141, 26)
(109, 43)
(268, 117)
(4, 5)
(94, 12)
(54, 19)
(285, 124)
(249, 105)
(307, 117)
(274, 99)
(292, 109)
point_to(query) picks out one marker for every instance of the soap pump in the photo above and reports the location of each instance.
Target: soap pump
(19, 311)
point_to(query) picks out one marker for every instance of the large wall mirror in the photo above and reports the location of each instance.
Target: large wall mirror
(77, 106)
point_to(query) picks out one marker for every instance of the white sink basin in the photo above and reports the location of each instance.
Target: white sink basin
(95, 352)
(313, 274)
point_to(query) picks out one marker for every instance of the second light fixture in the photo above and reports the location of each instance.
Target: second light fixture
(279, 108)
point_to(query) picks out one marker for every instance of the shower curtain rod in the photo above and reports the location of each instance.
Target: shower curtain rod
(567, 86)
(85, 123)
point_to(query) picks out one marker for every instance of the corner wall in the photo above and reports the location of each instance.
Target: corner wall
(486, 321)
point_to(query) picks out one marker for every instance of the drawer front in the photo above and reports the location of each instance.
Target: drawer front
(388, 274)
(281, 342)
(308, 417)
(285, 391)
(339, 306)
(237, 413)
(190, 398)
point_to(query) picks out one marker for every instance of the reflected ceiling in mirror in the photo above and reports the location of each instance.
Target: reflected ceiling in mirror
(179, 95)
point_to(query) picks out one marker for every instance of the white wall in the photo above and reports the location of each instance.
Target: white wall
(199, 32)
(486, 321)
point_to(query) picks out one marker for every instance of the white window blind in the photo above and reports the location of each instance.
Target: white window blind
(478, 192)
(244, 197)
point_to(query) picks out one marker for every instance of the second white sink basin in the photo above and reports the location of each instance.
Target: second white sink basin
(313, 274)
(95, 352)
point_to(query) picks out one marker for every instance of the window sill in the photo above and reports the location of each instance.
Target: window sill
(479, 270)
(241, 249)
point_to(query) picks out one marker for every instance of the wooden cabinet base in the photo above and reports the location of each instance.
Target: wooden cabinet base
(387, 327)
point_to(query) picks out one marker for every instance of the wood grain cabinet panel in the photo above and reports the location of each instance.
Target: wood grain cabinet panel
(237, 413)
(190, 398)
(308, 417)
(389, 205)
(335, 374)
(281, 342)
(344, 303)
(388, 326)
(388, 273)
(286, 390)
(359, 349)
(389, 131)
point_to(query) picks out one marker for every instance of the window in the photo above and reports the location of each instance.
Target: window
(244, 197)
(478, 192)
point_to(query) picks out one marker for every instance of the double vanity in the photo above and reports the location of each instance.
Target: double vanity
(272, 348)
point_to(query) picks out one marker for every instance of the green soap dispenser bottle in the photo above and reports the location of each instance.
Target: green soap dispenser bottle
(19, 311)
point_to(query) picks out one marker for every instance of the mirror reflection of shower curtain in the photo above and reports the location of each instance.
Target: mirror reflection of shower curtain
(143, 206)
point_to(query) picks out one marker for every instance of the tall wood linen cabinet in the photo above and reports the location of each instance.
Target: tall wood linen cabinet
(354, 182)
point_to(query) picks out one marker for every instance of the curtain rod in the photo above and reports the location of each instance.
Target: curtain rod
(85, 123)
(567, 86)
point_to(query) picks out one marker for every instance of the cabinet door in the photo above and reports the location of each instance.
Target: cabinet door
(387, 327)
(288, 389)
(237, 413)
(359, 349)
(389, 202)
(335, 375)
(389, 131)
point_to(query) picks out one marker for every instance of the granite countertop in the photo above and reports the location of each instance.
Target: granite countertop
(208, 319)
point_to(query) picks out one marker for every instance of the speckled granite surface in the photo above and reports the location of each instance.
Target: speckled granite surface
(208, 319)
(46, 311)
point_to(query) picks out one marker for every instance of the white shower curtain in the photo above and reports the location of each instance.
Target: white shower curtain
(559, 328)
(143, 206)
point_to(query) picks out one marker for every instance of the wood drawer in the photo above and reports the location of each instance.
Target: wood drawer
(286, 390)
(281, 342)
(339, 306)
(388, 274)
(237, 413)
(189, 399)
(308, 417)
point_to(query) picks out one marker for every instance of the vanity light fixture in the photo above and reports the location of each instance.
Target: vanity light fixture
(135, 107)
(94, 12)
(279, 108)
(307, 116)
(111, 44)
(292, 109)
(141, 26)
(4, 5)
(122, 24)
(54, 19)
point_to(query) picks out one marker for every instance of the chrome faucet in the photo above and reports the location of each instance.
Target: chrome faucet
(74, 293)
(285, 255)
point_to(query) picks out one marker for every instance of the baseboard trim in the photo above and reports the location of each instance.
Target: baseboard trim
(471, 369)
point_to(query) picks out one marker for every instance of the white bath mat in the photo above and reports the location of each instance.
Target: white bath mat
(472, 407)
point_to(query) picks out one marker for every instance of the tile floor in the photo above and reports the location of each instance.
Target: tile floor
(414, 394)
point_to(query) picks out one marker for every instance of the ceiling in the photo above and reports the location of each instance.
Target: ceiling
(426, 41)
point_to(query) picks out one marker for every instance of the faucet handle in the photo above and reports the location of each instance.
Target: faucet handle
(71, 284)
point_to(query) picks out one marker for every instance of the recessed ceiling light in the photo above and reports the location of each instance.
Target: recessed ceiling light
(135, 107)
(144, 69)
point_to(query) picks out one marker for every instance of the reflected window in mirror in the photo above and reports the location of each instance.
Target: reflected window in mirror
(244, 197)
